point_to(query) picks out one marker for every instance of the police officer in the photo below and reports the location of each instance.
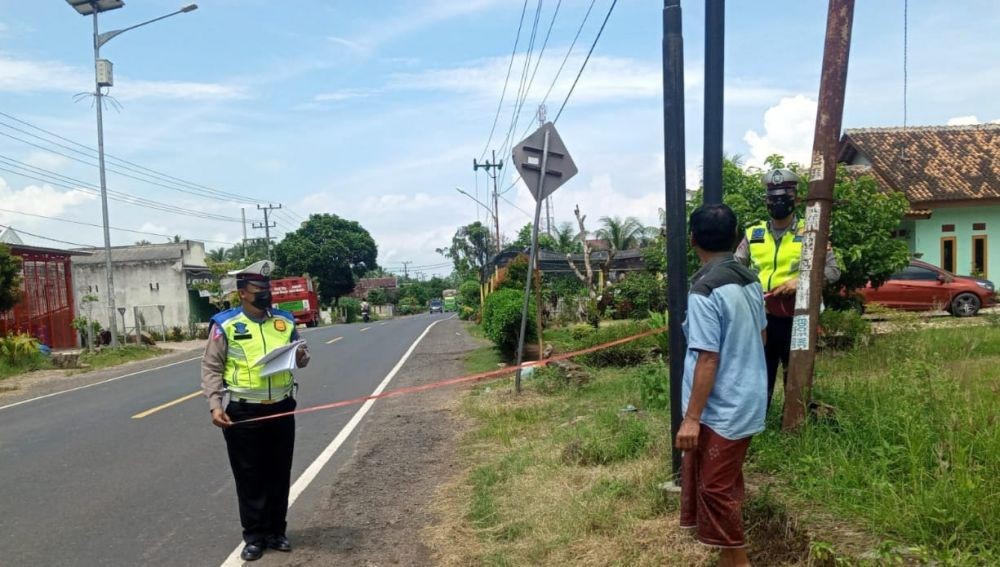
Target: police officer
(773, 249)
(260, 453)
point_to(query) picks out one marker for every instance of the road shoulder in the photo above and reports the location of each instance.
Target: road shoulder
(379, 501)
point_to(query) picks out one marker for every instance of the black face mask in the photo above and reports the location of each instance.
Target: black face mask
(262, 299)
(780, 207)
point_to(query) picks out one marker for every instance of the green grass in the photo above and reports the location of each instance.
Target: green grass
(913, 451)
(34, 363)
(113, 357)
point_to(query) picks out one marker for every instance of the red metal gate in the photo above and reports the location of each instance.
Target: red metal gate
(46, 307)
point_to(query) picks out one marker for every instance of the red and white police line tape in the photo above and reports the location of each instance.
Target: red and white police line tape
(459, 380)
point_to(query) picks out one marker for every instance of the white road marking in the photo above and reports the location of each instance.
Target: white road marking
(98, 383)
(365, 329)
(317, 465)
(333, 340)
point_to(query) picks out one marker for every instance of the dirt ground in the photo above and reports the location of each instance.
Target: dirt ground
(375, 509)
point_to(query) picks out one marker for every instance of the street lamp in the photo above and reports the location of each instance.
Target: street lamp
(488, 210)
(103, 77)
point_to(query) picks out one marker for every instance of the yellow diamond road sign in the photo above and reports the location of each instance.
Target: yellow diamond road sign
(559, 166)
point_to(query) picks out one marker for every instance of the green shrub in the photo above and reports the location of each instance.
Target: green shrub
(176, 334)
(502, 319)
(468, 292)
(638, 294)
(844, 330)
(627, 354)
(659, 320)
(465, 313)
(352, 309)
(18, 349)
(654, 386)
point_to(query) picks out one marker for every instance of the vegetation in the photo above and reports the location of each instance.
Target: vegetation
(502, 319)
(470, 250)
(10, 279)
(333, 250)
(107, 357)
(20, 353)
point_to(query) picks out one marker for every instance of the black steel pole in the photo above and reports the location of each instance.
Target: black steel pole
(715, 29)
(673, 153)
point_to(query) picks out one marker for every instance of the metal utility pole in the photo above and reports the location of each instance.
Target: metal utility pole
(715, 29)
(267, 225)
(243, 214)
(673, 153)
(406, 272)
(822, 175)
(493, 170)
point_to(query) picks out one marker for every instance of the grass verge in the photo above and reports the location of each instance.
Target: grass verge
(114, 356)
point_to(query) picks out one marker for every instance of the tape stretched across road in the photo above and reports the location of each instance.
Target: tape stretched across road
(459, 380)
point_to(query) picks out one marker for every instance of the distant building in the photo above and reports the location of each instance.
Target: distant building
(951, 177)
(363, 286)
(146, 276)
(46, 309)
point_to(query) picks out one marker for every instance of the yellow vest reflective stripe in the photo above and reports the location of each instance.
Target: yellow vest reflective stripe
(776, 262)
(247, 342)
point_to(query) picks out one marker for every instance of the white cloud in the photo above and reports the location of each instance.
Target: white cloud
(37, 200)
(341, 95)
(398, 202)
(47, 160)
(963, 121)
(788, 130)
(25, 75)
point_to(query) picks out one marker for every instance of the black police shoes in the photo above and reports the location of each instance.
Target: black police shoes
(252, 552)
(280, 543)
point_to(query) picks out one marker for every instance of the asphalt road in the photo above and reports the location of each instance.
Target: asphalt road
(85, 482)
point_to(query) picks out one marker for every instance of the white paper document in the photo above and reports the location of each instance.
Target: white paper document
(281, 359)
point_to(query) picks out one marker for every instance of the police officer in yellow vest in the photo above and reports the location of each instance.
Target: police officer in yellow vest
(773, 249)
(260, 453)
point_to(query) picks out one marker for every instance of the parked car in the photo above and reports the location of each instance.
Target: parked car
(437, 306)
(925, 287)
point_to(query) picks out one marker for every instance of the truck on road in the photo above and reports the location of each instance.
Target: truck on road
(297, 296)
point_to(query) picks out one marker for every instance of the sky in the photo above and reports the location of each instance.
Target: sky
(375, 110)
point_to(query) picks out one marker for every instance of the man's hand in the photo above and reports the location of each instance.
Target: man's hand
(787, 288)
(302, 356)
(687, 436)
(220, 418)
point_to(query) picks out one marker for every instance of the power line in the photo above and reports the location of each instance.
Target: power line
(513, 52)
(589, 53)
(125, 164)
(110, 227)
(522, 91)
(19, 231)
(59, 180)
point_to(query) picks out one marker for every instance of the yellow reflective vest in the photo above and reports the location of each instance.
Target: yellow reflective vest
(247, 341)
(776, 261)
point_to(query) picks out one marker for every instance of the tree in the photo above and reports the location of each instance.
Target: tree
(621, 234)
(523, 242)
(333, 250)
(566, 240)
(470, 250)
(217, 255)
(10, 279)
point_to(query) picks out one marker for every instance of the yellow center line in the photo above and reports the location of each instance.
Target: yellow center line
(166, 405)
(333, 340)
(365, 329)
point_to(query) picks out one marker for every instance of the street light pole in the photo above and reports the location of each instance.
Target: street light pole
(93, 8)
(113, 323)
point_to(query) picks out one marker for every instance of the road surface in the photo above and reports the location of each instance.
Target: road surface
(131, 472)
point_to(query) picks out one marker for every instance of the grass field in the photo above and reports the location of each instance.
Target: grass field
(905, 468)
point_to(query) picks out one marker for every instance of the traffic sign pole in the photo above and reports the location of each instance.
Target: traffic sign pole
(531, 261)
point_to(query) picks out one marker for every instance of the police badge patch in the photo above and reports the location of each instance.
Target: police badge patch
(757, 235)
(279, 325)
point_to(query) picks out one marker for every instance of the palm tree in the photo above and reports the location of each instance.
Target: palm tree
(566, 240)
(622, 234)
(217, 255)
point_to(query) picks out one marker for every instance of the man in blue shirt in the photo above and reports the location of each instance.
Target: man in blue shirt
(725, 384)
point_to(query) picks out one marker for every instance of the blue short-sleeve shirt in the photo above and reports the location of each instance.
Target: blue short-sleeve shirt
(726, 315)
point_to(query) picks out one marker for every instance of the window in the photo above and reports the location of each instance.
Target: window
(947, 228)
(948, 253)
(915, 273)
(978, 226)
(979, 255)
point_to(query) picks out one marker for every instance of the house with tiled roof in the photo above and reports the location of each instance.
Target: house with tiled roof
(951, 177)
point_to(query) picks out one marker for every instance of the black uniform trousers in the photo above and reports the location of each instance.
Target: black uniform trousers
(260, 454)
(777, 351)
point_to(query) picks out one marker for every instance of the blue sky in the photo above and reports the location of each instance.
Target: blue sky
(374, 110)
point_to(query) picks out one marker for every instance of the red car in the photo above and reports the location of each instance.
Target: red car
(925, 287)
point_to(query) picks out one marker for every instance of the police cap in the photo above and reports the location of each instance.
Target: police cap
(781, 182)
(258, 273)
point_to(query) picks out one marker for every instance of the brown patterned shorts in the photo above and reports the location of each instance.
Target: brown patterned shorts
(712, 491)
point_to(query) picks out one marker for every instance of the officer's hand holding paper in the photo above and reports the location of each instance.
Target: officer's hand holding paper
(280, 359)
